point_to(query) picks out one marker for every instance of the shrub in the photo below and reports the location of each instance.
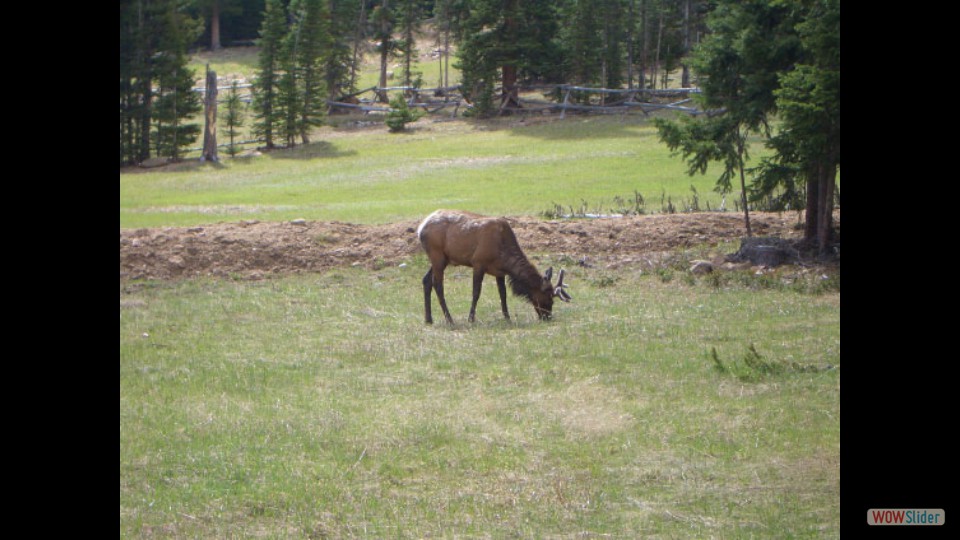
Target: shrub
(400, 115)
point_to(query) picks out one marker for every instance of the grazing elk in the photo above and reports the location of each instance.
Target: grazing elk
(489, 246)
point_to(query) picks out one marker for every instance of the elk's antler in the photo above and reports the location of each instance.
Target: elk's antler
(559, 289)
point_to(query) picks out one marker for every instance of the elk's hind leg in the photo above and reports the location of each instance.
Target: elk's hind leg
(436, 272)
(427, 286)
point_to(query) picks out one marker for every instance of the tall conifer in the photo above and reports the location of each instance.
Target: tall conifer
(267, 112)
(155, 83)
(312, 28)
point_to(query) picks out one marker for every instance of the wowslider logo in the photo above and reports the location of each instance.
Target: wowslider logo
(903, 516)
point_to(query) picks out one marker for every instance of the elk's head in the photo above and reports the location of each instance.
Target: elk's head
(543, 298)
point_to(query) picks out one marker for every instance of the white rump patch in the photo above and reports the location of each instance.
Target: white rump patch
(428, 219)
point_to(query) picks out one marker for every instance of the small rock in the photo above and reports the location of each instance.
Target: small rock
(764, 251)
(154, 162)
(701, 267)
(298, 221)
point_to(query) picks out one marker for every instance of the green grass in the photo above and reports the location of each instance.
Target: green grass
(371, 176)
(509, 166)
(321, 406)
(230, 63)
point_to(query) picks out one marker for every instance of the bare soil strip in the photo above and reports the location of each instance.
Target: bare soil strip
(252, 250)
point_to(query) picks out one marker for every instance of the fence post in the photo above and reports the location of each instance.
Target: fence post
(566, 101)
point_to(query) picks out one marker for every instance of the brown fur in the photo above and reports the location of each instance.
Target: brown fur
(489, 246)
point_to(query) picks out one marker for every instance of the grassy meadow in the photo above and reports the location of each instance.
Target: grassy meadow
(321, 406)
(655, 405)
(358, 172)
(503, 167)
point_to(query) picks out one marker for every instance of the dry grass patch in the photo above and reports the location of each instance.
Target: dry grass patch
(586, 409)
(321, 405)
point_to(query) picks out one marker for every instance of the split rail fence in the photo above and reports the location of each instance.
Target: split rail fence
(572, 98)
(542, 99)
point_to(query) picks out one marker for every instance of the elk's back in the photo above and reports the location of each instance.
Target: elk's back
(465, 239)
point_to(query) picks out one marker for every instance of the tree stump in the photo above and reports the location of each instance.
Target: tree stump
(210, 115)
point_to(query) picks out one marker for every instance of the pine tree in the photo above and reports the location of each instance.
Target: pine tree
(807, 145)
(289, 104)
(445, 14)
(506, 41)
(234, 117)
(343, 36)
(310, 24)
(384, 20)
(583, 42)
(594, 38)
(175, 101)
(400, 114)
(752, 42)
(409, 13)
(268, 114)
(135, 83)
(290, 89)
(156, 95)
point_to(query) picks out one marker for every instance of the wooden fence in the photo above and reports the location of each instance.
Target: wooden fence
(578, 99)
(572, 98)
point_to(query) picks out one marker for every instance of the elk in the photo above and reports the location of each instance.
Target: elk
(489, 246)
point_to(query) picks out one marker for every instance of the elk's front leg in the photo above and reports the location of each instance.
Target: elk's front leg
(477, 285)
(502, 289)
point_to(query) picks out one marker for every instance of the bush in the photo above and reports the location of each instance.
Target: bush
(400, 115)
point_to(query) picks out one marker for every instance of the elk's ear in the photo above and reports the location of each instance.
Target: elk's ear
(548, 274)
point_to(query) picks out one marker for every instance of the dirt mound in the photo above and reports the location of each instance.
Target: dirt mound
(250, 250)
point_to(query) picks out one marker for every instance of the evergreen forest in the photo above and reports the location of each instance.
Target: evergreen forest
(765, 68)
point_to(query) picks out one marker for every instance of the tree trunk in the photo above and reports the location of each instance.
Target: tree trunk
(446, 56)
(813, 209)
(210, 125)
(384, 51)
(630, 24)
(685, 78)
(215, 26)
(145, 89)
(743, 186)
(827, 181)
(408, 47)
(656, 62)
(511, 95)
(645, 48)
(357, 40)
